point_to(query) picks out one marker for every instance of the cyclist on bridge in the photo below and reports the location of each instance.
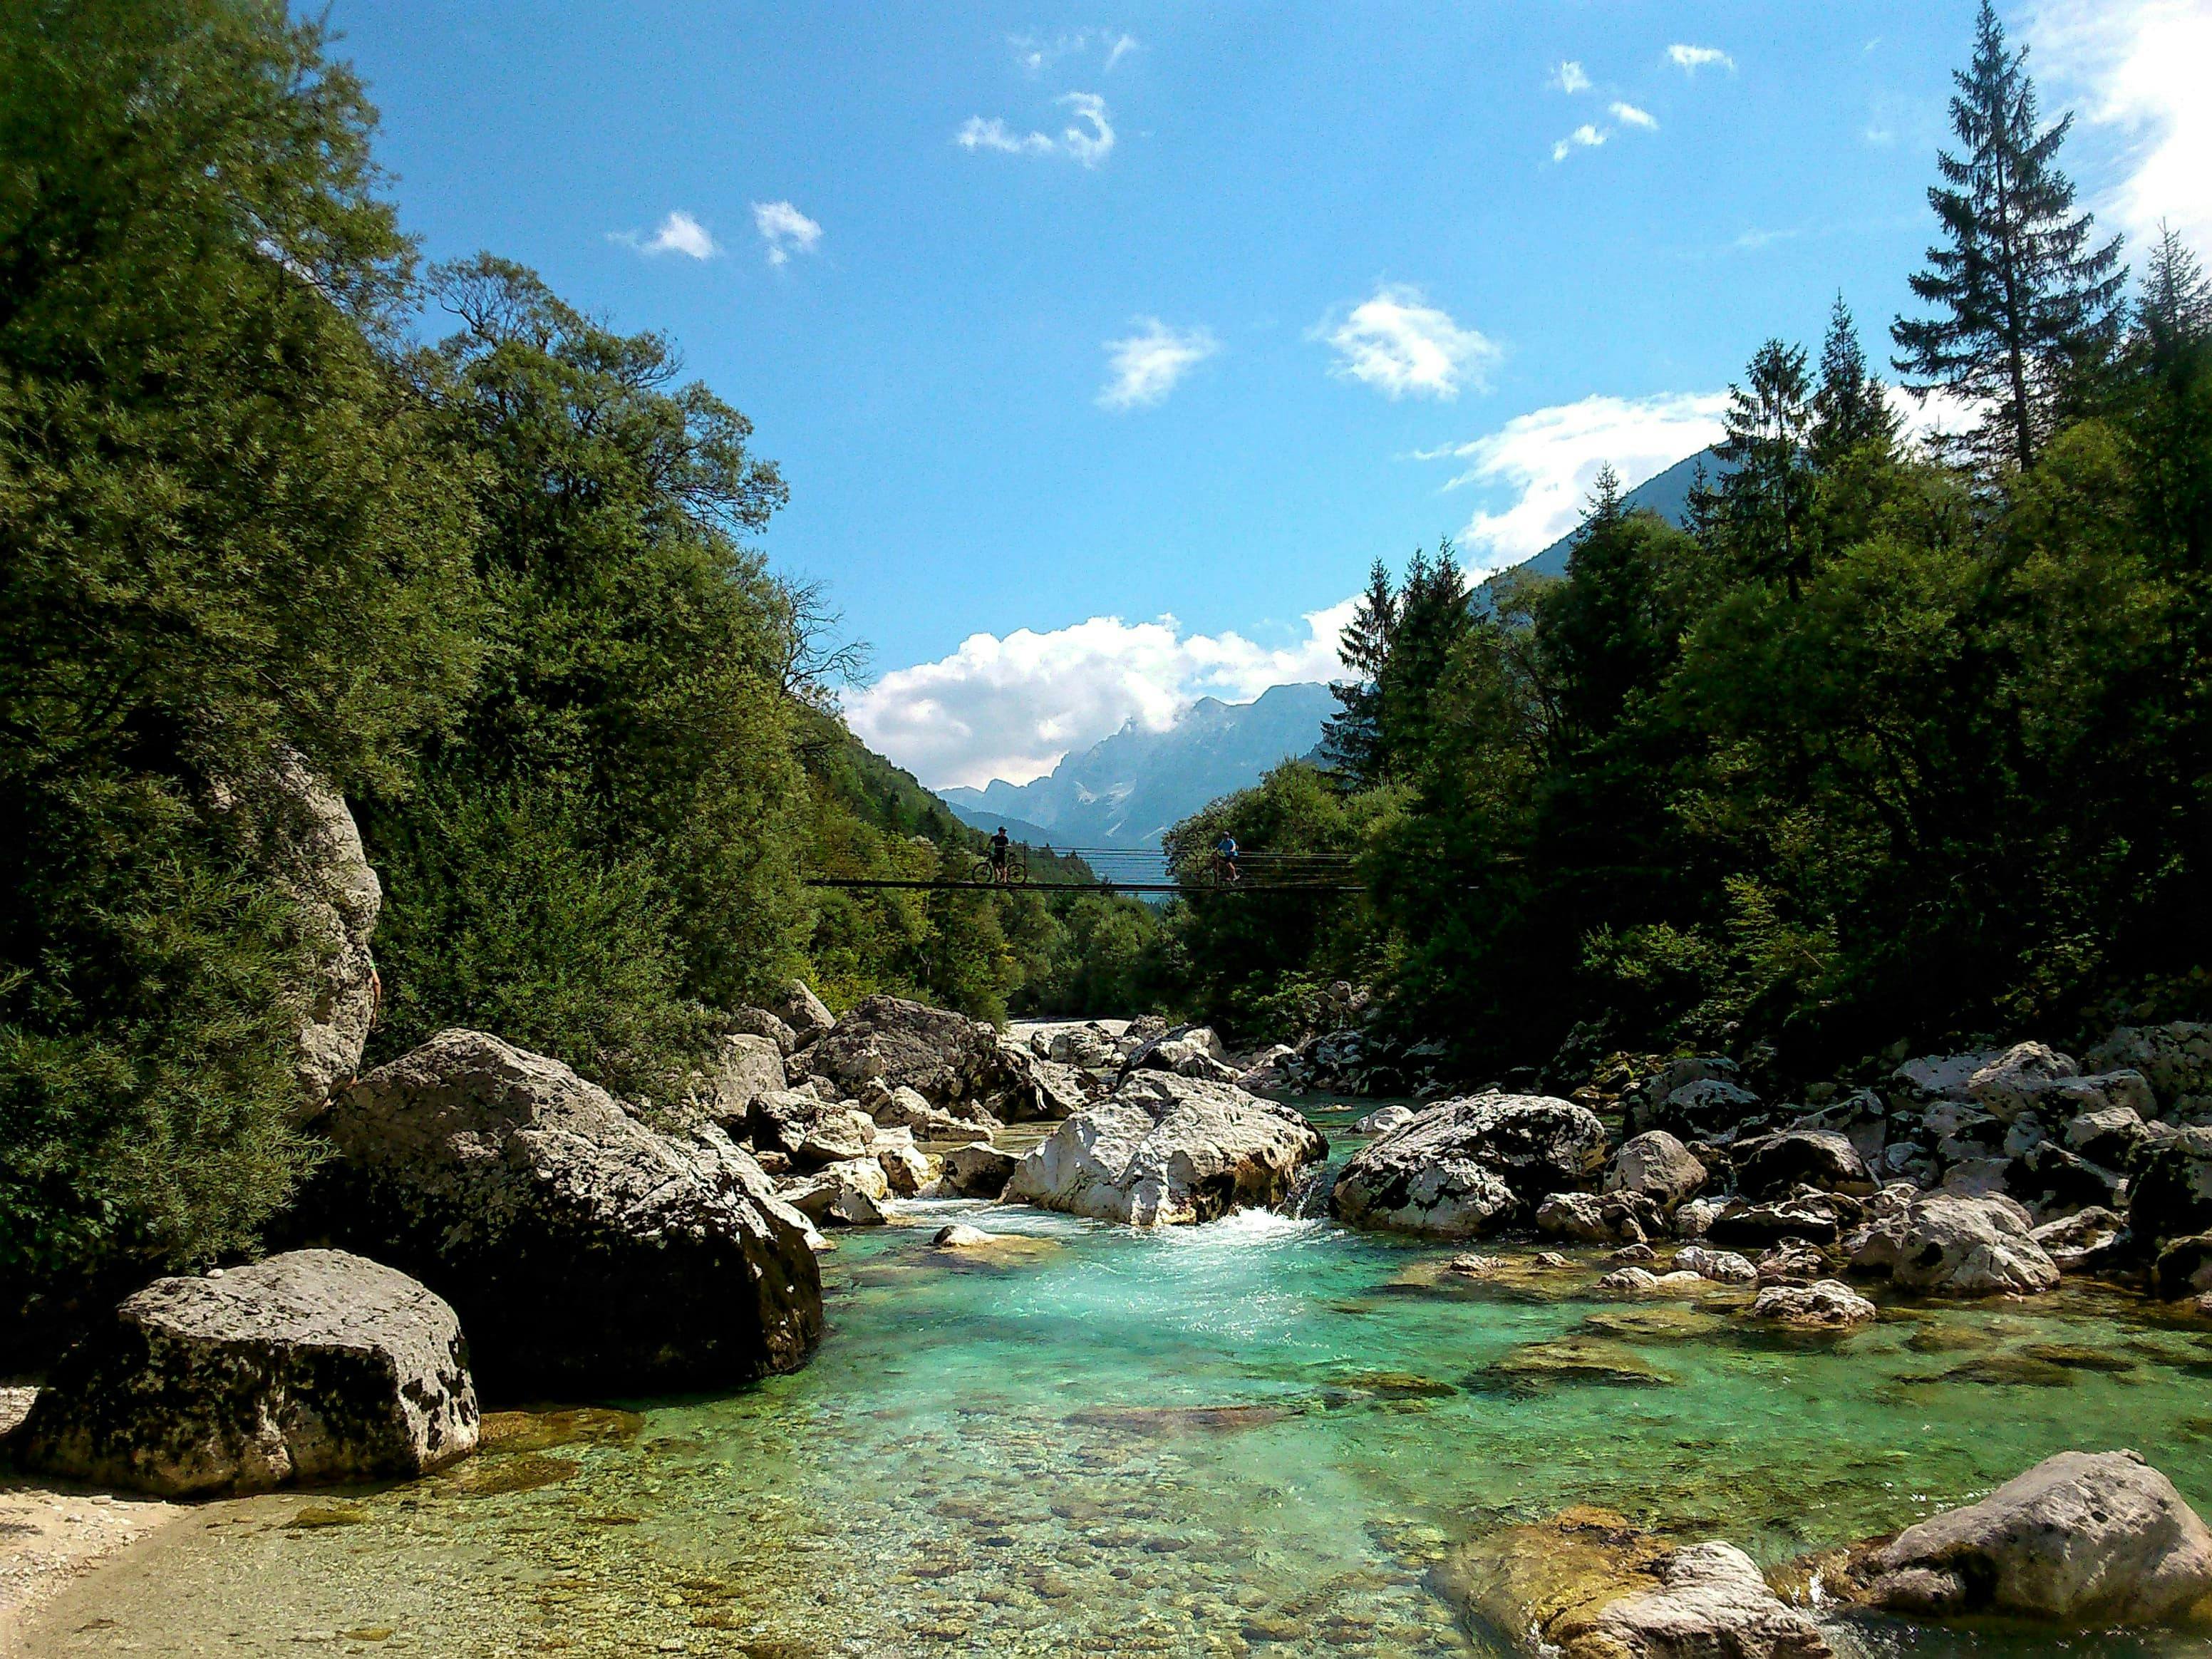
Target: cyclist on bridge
(998, 846)
(1224, 853)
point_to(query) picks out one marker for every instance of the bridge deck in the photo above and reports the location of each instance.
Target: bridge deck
(1083, 886)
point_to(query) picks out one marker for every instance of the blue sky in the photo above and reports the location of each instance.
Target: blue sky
(1104, 347)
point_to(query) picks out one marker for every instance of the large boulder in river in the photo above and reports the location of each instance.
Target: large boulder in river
(1191, 1051)
(1944, 1245)
(2086, 1539)
(1658, 1166)
(1587, 1584)
(1162, 1149)
(948, 1059)
(581, 1250)
(1472, 1165)
(745, 1066)
(315, 1367)
(808, 1130)
(1773, 1166)
(2172, 1195)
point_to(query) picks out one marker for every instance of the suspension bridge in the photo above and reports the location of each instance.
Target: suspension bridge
(1120, 870)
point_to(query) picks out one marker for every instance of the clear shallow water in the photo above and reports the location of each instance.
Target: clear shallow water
(1254, 1437)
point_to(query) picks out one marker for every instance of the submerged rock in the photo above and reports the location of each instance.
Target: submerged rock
(2083, 1539)
(1943, 1245)
(313, 1367)
(1470, 1166)
(580, 1248)
(1586, 1584)
(1164, 1149)
(1588, 1360)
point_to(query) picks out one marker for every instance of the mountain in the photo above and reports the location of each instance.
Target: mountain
(1128, 789)
(1667, 494)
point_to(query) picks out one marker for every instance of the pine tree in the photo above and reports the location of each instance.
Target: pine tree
(1351, 741)
(1766, 502)
(2174, 311)
(1849, 405)
(2022, 297)
(1434, 614)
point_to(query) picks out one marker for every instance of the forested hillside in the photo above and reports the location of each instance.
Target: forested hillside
(1893, 742)
(274, 497)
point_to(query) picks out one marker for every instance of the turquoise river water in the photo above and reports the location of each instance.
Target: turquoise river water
(1250, 1437)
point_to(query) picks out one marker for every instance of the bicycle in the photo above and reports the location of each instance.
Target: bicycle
(986, 873)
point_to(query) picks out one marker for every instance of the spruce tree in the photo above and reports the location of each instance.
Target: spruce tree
(2174, 311)
(1849, 405)
(1767, 500)
(2022, 297)
(1351, 741)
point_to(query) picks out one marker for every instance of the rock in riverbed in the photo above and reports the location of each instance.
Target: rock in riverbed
(1825, 1305)
(1948, 1245)
(2083, 1539)
(1470, 1166)
(951, 1061)
(312, 1367)
(1659, 1167)
(1586, 1584)
(580, 1248)
(1162, 1149)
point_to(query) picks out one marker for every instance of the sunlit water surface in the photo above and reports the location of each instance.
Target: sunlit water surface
(1254, 1436)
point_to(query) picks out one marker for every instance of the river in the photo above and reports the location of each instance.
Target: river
(1254, 1437)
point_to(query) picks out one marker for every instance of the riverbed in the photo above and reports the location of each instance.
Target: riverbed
(1256, 1436)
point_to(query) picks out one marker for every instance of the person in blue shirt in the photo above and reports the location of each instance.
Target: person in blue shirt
(1225, 858)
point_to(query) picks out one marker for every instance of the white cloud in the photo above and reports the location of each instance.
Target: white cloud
(977, 133)
(2139, 68)
(1398, 342)
(1584, 136)
(1545, 463)
(1089, 139)
(1691, 59)
(1010, 707)
(1927, 421)
(1144, 366)
(1036, 53)
(785, 229)
(679, 232)
(1569, 77)
(1628, 115)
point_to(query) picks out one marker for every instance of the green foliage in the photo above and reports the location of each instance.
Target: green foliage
(602, 843)
(224, 528)
(1236, 954)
